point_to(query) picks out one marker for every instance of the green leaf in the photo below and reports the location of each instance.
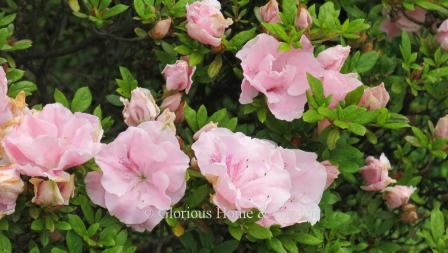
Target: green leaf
(289, 10)
(354, 96)
(215, 67)
(6, 20)
(26, 86)
(277, 30)
(107, 237)
(38, 225)
(5, 244)
(190, 117)
(312, 116)
(366, 62)
(226, 247)
(82, 100)
(258, 232)
(235, 231)
(218, 116)
(74, 242)
(201, 116)
(195, 59)
(316, 88)
(59, 97)
(357, 129)
(276, 245)
(197, 196)
(437, 222)
(308, 239)
(62, 225)
(240, 39)
(231, 124)
(117, 9)
(77, 224)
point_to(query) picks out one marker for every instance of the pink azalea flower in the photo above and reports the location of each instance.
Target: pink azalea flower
(209, 126)
(280, 76)
(442, 34)
(397, 195)
(303, 19)
(205, 22)
(332, 172)
(338, 85)
(392, 27)
(142, 107)
(270, 12)
(161, 29)
(308, 179)
(143, 175)
(245, 173)
(11, 185)
(47, 142)
(333, 58)
(5, 104)
(376, 173)
(179, 76)
(375, 98)
(441, 130)
(53, 193)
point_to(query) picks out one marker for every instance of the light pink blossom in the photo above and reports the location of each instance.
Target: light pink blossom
(205, 22)
(11, 185)
(303, 19)
(375, 98)
(270, 12)
(441, 130)
(338, 85)
(52, 193)
(393, 26)
(245, 173)
(143, 175)
(397, 195)
(168, 117)
(47, 142)
(172, 102)
(376, 173)
(442, 34)
(332, 172)
(142, 107)
(333, 58)
(5, 104)
(179, 76)
(280, 76)
(209, 126)
(308, 179)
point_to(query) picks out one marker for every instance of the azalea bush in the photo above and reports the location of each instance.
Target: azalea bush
(223, 126)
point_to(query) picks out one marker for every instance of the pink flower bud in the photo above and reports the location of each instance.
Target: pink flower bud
(11, 185)
(205, 22)
(375, 98)
(142, 107)
(209, 126)
(322, 125)
(441, 130)
(334, 57)
(397, 195)
(332, 172)
(172, 102)
(376, 173)
(53, 192)
(270, 12)
(303, 19)
(179, 76)
(167, 118)
(161, 29)
(442, 35)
